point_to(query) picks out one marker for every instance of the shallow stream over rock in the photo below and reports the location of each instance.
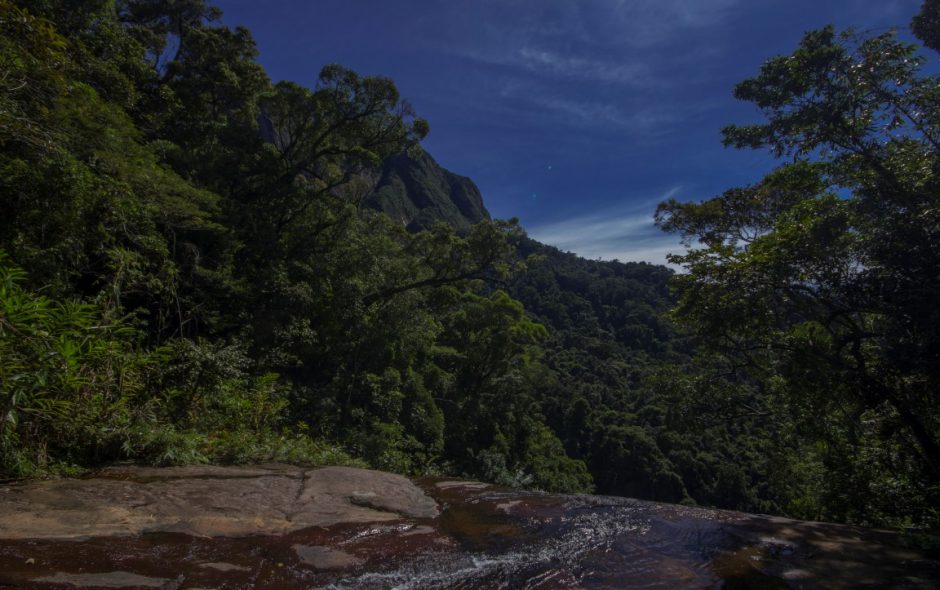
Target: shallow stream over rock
(284, 527)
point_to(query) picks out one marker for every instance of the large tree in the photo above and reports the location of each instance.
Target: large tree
(822, 278)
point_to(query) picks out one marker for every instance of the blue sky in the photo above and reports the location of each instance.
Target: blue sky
(577, 117)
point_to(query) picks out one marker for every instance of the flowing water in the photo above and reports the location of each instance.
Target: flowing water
(514, 540)
(489, 538)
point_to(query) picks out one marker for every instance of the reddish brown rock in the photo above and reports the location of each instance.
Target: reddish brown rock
(287, 528)
(324, 558)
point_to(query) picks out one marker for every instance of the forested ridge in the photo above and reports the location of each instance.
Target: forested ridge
(200, 265)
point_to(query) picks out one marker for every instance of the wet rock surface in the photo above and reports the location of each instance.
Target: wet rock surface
(324, 558)
(285, 527)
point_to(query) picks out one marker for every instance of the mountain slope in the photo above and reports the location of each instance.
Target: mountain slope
(418, 192)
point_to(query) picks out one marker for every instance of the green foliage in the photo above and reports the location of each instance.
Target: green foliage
(63, 369)
(75, 389)
(817, 283)
(926, 24)
(207, 279)
(31, 55)
(414, 189)
(238, 304)
(607, 338)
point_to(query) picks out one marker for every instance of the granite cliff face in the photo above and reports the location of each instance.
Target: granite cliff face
(418, 192)
(414, 190)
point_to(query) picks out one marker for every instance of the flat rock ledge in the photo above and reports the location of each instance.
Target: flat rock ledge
(207, 501)
(280, 527)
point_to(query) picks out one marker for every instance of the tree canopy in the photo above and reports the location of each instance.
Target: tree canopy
(195, 266)
(821, 279)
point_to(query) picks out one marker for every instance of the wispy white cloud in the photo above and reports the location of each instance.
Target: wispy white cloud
(654, 22)
(602, 40)
(629, 73)
(587, 112)
(593, 231)
(540, 61)
(625, 23)
(601, 114)
(623, 235)
(606, 64)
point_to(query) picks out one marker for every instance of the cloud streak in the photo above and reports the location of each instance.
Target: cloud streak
(539, 61)
(604, 65)
(623, 235)
(581, 112)
(573, 66)
(623, 23)
(655, 22)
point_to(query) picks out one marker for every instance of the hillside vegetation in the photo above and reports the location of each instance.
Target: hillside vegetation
(199, 265)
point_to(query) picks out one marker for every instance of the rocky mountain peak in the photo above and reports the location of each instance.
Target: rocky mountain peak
(417, 191)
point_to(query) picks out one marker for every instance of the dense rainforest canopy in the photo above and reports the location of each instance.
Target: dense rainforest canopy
(197, 264)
